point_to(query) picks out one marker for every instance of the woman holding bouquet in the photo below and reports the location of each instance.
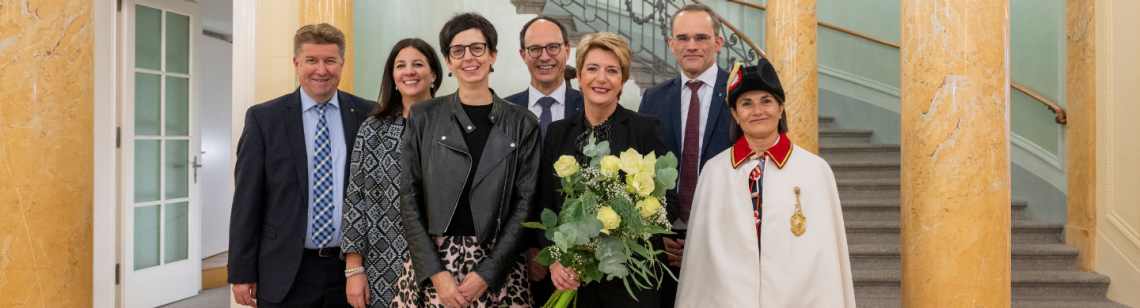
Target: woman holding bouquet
(470, 162)
(603, 62)
(768, 230)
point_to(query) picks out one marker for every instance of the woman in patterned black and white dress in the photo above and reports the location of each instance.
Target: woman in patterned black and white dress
(373, 241)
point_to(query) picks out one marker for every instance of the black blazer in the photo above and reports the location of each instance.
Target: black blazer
(573, 103)
(269, 213)
(629, 130)
(664, 102)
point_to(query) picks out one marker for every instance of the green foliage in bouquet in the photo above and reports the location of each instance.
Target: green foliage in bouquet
(612, 208)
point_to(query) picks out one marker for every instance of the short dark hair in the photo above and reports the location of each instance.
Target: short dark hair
(390, 104)
(522, 34)
(320, 34)
(735, 132)
(698, 8)
(464, 22)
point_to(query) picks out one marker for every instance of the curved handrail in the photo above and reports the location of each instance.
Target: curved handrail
(740, 34)
(1062, 118)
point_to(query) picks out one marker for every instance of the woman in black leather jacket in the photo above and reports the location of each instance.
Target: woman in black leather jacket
(471, 161)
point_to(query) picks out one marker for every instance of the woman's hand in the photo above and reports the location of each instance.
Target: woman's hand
(472, 287)
(447, 289)
(535, 271)
(564, 278)
(357, 291)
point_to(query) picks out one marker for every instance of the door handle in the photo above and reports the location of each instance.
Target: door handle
(196, 165)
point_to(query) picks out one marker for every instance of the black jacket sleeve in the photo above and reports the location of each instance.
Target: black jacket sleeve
(249, 198)
(495, 269)
(422, 250)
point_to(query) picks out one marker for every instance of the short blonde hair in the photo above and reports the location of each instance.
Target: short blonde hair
(607, 41)
(320, 34)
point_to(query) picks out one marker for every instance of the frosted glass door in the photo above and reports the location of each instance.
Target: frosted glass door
(159, 147)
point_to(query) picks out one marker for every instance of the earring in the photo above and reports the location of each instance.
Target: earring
(492, 69)
(449, 74)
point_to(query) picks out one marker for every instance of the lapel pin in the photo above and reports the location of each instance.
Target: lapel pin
(352, 109)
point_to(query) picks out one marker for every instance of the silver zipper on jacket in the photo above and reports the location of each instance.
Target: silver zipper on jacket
(456, 205)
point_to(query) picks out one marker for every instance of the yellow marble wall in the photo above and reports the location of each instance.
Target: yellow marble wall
(276, 24)
(339, 14)
(955, 153)
(46, 153)
(1080, 100)
(791, 47)
(1117, 168)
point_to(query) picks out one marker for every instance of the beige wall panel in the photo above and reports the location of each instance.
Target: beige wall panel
(1118, 170)
(46, 153)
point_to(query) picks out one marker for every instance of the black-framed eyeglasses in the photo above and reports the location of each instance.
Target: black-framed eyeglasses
(477, 49)
(552, 50)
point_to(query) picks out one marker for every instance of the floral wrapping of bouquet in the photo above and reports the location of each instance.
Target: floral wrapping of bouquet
(611, 209)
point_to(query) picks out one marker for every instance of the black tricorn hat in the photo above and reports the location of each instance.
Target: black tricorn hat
(760, 77)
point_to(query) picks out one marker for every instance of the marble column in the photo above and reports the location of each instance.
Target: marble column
(791, 47)
(339, 14)
(955, 215)
(1080, 99)
(47, 97)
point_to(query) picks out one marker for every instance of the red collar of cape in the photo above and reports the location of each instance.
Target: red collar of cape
(779, 153)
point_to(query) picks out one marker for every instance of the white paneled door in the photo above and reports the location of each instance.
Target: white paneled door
(159, 150)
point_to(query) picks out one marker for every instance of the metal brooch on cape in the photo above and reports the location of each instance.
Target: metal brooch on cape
(798, 219)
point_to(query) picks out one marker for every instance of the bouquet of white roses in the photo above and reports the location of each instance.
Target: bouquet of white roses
(611, 209)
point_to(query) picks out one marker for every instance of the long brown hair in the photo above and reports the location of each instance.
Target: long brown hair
(391, 103)
(735, 132)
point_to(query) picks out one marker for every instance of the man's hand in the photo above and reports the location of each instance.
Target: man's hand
(676, 249)
(357, 291)
(564, 278)
(245, 294)
(447, 289)
(534, 270)
(472, 287)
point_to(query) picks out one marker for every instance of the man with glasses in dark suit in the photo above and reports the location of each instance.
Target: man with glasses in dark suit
(694, 119)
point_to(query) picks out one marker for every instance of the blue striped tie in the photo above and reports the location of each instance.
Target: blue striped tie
(322, 182)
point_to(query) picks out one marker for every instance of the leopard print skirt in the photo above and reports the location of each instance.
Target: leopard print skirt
(460, 255)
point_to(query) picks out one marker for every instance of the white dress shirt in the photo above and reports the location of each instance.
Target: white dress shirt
(557, 110)
(704, 93)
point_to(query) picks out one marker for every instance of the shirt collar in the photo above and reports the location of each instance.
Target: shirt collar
(558, 95)
(708, 77)
(308, 102)
(780, 152)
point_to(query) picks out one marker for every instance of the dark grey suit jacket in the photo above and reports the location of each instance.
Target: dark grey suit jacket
(573, 101)
(269, 213)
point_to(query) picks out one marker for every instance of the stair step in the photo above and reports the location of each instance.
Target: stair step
(1079, 302)
(1035, 284)
(1023, 256)
(847, 170)
(888, 209)
(887, 232)
(826, 122)
(862, 152)
(868, 189)
(529, 6)
(836, 137)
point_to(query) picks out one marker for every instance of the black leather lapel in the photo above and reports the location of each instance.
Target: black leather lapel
(295, 129)
(497, 148)
(619, 132)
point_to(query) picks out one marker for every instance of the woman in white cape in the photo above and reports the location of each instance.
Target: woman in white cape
(766, 229)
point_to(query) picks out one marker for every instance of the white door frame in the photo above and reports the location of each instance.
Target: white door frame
(135, 285)
(105, 160)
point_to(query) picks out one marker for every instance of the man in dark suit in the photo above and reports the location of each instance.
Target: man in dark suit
(544, 47)
(291, 170)
(694, 117)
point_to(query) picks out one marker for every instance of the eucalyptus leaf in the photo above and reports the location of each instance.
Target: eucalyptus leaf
(549, 219)
(666, 177)
(666, 161)
(534, 225)
(544, 257)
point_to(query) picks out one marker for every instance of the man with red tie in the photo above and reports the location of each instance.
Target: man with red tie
(694, 119)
